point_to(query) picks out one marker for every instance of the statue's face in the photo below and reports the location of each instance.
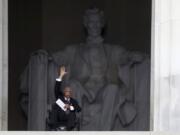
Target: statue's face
(94, 25)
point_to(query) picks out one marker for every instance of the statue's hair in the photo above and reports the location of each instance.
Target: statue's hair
(94, 11)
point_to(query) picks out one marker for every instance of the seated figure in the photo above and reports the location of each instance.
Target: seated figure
(110, 83)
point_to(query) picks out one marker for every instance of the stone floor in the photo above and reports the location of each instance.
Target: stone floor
(86, 133)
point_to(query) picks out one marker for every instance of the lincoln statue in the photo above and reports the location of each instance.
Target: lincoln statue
(110, 83)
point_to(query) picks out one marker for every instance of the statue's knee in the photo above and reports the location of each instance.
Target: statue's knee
(112, 87)
(76, 88)
(75, 85)
(111, 90)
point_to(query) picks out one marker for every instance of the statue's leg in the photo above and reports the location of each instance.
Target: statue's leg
(109, 106)
(81, 95)
(115, 106)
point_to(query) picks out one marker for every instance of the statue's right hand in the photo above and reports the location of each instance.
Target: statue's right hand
(40, 57)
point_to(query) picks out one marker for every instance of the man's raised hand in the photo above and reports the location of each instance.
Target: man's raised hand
(62, 71)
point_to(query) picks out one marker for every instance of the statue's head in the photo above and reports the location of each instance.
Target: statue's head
(94, 21)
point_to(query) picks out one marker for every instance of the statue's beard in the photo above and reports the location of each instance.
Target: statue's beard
(94, 33)
(95, 38)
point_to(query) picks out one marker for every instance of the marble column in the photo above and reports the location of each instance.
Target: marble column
(165, 65)
(3, 64)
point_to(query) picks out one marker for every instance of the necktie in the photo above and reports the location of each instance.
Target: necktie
(67, 101)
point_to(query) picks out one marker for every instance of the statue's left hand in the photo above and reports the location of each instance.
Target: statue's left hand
(136, 57)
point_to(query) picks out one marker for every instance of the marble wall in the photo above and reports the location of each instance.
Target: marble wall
(165, 66)
(3, 64)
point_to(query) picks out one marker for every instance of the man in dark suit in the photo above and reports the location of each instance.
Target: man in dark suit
(63, 117)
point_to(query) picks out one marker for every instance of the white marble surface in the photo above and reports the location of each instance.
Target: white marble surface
(3, 65)
(166, 66)
(76, 133)
(165, 133)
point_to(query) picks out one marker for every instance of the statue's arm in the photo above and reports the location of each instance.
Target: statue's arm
(65, 56)
(129, 75)
(36, 62)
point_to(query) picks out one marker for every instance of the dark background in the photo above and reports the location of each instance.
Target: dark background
(53, 24)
